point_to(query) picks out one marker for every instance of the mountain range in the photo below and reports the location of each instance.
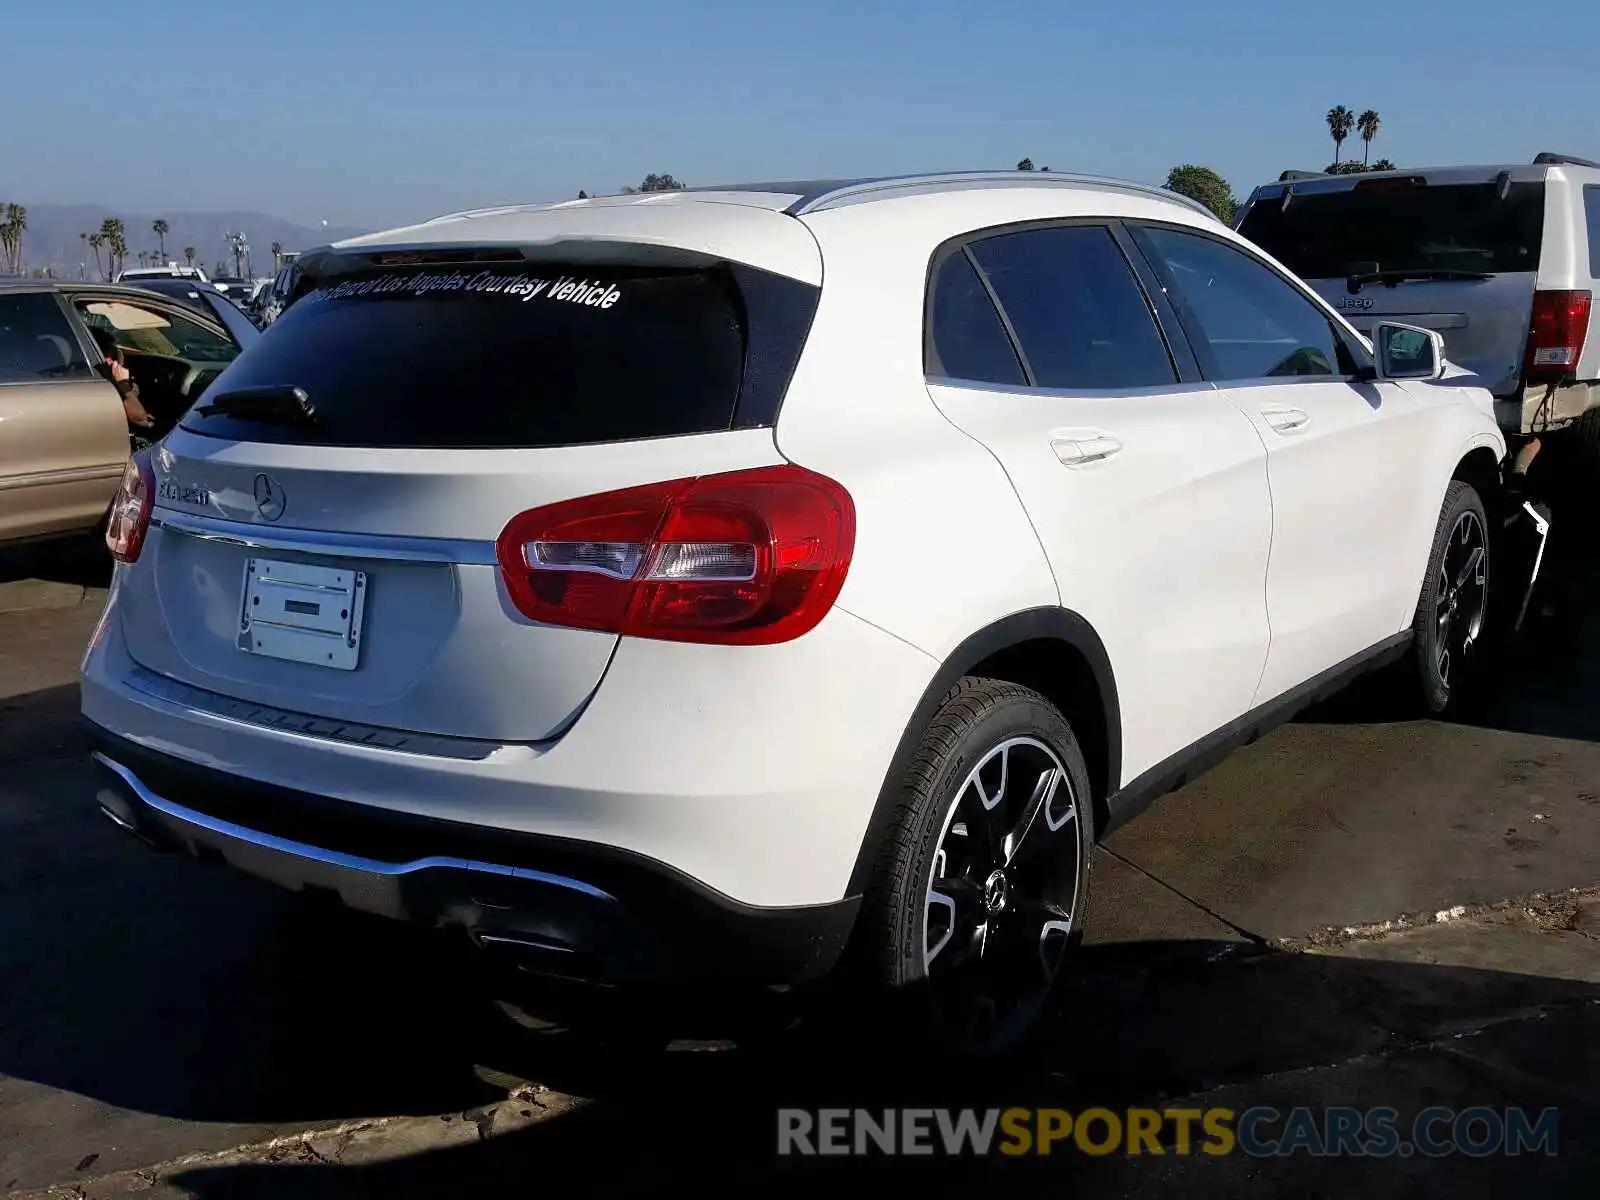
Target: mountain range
(52, 237)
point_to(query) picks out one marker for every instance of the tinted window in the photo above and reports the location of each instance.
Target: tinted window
(502, 357)
(1076, 308)
(1255, 322)
(1591, 210)
(142, 330)
(1401, 227)
(36, 343)
(968, 339)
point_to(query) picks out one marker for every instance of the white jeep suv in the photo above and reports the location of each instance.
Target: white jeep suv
(688, 585)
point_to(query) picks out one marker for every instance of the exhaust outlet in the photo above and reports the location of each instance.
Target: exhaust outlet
(117, 809)
(114, 805)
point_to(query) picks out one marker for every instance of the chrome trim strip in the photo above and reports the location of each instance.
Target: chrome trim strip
(334, 858)
(461, 551)
(491, 939)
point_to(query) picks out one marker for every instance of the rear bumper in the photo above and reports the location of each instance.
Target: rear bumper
(1536, 410)
(752, 771)
(568, 909)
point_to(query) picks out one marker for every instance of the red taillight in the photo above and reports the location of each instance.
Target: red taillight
(745, 558)
(130, 511)
(1555, 336)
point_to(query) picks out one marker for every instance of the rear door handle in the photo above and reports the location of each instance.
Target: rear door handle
(1286, 420)
(1079, 452)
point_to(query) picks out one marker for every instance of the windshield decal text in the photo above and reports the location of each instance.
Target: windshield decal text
(523, 288)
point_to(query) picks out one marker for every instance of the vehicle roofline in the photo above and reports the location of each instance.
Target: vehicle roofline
(818, 195)
(1524, 170)
(890, 187)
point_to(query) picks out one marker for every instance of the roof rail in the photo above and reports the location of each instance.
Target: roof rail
(862, 191)
(1550, 158)
(1290, 176)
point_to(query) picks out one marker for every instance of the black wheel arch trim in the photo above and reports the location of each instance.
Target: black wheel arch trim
(1046, 623)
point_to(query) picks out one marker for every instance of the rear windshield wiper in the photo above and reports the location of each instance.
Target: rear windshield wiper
(1358, 278)
(275, 404)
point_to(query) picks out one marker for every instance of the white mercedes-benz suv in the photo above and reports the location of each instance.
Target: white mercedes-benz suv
(732, 584)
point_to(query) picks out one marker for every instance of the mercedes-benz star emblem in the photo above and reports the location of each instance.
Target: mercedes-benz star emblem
(269, 497)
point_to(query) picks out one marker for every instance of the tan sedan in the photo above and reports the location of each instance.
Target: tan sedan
(64, 431)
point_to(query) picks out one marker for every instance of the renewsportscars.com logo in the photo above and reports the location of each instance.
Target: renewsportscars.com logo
(1260, 1132)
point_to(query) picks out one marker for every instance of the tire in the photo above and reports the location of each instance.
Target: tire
(1586, 432)
(964, 931)
(1448, 631)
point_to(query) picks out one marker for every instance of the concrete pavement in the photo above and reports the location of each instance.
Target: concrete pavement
(156, 1013)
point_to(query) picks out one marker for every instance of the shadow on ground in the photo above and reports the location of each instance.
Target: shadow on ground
(1543, 679)
(79, 562)
(1143, 1025)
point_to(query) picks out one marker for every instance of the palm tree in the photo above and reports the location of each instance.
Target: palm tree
(114, 235)
(17, 218)
(160, 228)
(1367, 123)
(16, 225)
(1340, 122)
(188, 255)
(96, 240)
(277, 256)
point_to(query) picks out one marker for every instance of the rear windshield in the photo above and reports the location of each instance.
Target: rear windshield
(1455, 227)
(520, 356)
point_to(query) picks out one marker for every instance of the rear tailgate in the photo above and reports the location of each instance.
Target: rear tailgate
(1484, 322)
(1487, 231)
(445, 402)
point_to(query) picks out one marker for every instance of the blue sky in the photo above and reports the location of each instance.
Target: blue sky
(375, 112)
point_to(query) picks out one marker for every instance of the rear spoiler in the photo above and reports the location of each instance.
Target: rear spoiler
(1549, 158)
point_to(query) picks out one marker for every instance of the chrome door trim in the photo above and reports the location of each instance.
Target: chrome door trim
(63, 475)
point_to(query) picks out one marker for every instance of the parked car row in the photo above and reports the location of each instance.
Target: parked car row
(595, 579)
(247, 295)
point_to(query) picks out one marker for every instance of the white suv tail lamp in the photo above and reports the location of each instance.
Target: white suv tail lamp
(130, 511)
(744, 558)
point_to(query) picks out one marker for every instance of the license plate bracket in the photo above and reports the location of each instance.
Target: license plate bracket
(302, 613)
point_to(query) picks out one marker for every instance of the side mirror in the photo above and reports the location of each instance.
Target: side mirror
(1407, 352)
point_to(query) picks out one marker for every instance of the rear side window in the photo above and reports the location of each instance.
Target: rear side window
(36, 343)
(1591, 212)
(967, 339)
(1076, 307)
(1401, 226)
(516, 356)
